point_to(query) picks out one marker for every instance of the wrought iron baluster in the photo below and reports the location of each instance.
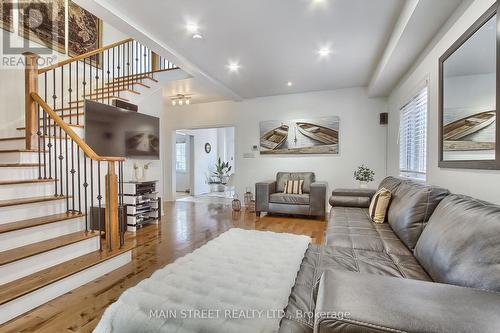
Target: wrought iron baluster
(49, 134)
(79, 179)
(70, 90)
(54, 97)
(39, 134)
(65, 138)
(107, 65)
(99, 199)
(118, 67)
(92, 194)
(85, 187)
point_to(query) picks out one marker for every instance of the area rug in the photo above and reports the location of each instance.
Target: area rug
(238, 282)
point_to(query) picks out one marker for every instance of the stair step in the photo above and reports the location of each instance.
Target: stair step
(133, 78)
(26, 181)
(71, 125)
(26, 251)
(18, 165)
(13, 138)
(100, 98)
(29, 223)
(25, 201)
(131, 82)
(38, 280)
(68, 108)
(68, 115)
(109, 89)
(19, 151)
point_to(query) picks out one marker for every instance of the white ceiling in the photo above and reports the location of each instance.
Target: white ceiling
(274, 41)
(477, 55)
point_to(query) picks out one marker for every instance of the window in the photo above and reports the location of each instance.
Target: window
(180, 156)
(413, 137)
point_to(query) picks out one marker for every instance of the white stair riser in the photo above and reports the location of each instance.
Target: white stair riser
(13, 239)
(19, 191)
(19, 157)
(30, 301)
(33, 264)
(18, 173)
(12, 144)
(29, 211)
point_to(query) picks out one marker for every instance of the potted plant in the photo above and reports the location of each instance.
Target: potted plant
(364, 175)
(221, 171)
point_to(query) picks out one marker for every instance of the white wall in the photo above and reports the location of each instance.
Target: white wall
(477, 183)
(362, 139)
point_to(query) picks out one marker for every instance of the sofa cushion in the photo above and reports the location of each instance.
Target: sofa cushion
(282, 177)
(411, 206)
(461, 244)
(379, 205)
(291, 199)
(390, 183)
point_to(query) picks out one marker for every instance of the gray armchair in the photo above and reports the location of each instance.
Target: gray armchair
(269, 196)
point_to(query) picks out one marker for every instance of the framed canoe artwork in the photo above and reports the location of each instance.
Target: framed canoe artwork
(300, 136)
(6, 15)
(85, 32)
(44, 22)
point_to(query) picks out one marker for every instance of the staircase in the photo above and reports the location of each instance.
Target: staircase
(50, 243)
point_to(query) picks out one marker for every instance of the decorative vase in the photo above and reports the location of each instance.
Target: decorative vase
(236, 204)
(248, 197)
(363, 184)
(138, 174)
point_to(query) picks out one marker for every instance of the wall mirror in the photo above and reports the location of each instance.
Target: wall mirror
(468, 98)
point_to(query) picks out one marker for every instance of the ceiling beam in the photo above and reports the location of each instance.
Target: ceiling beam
(418, 23)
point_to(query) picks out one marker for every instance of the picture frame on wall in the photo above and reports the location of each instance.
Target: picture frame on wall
(44, 22)
(84, 32)
(6, 15)
(300, 136)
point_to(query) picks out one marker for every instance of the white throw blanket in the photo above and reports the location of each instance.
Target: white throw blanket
(237, 283)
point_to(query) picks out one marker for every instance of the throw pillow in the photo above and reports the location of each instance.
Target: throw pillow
(379, 204)
(293, 186)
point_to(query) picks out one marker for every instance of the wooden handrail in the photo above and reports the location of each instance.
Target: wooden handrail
(75, 137)
(83, 56)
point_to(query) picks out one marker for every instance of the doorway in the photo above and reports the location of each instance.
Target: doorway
(204, 163)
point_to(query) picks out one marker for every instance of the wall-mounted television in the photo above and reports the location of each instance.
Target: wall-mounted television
(112, 131)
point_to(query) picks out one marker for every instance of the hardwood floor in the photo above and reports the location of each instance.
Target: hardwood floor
(185, 227)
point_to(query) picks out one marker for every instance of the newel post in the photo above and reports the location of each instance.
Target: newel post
(31, 109)
(111, 220)
(155, 61)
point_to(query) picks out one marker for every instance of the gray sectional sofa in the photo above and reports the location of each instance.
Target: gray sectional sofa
(269, 196)
(434, 266)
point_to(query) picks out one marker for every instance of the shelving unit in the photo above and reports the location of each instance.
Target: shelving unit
(142, 203)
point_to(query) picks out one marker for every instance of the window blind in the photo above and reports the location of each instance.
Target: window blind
(413, 137)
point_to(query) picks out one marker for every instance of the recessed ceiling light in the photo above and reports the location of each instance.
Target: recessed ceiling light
(233, 66)
(324, 51)
(289, 83)
(197, 36)
(192, 28)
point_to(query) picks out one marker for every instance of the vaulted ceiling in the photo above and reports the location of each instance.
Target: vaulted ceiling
(275, 42)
